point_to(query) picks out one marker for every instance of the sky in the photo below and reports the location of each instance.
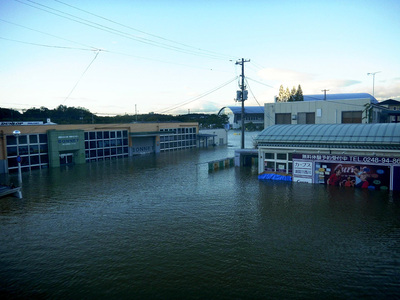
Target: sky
(180, 56)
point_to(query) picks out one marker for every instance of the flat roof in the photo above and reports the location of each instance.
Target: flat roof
(343, 96)
(376, 135)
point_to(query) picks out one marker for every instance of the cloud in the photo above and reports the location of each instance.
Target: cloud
(388, 89)
(310, 83)
(284, 75)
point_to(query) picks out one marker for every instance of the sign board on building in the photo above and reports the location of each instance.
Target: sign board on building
(370, 172)
(21, 123)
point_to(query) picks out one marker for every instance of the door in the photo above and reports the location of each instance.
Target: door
(66, 159)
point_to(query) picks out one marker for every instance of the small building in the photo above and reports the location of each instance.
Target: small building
(42, 146)
(252, 114)
(391, 113)
(312, 153)
(212, 137)
(324, 109)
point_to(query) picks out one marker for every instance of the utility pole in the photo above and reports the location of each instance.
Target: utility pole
(325, 93)
(242, 95)
(373, 81)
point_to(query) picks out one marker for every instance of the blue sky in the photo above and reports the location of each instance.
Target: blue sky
(117, 57)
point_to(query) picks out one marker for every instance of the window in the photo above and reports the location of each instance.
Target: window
(33, 139)
(283, 118)
(278, 162)
(98, 148)
(177, 139)
(352, 117)
(32, 148)
(306, 118)
(281, 156)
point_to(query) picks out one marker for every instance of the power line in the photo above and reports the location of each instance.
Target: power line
(43, 45)
(259, 82)
(86, 22)
(48, 34)
(141, 31)
(90, 48)
(87, 68)
(252, 92)
(198, 97)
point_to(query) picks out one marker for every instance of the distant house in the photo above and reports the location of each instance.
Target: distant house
(212, 137)
(325, 109)
(391, 113)
(252, 114)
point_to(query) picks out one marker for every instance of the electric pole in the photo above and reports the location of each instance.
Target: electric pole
(325, 93)
(242, 95)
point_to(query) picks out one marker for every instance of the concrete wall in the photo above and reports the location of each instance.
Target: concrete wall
(326, 112)
(66, 141)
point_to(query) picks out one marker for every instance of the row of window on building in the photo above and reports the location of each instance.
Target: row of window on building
(103, 145)
(32, 148)
(99, 145)
(278, 162)
(309, 117)
(177, 138)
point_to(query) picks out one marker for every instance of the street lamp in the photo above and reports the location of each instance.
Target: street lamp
(373, 81)
(17, 133)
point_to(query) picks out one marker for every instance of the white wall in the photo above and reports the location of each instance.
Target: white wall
(330, 110)
(221, 137)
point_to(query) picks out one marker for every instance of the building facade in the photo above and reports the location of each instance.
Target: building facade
(367, 153)
(43, 146)
(212, 137)
(324, 109)
(391, 112)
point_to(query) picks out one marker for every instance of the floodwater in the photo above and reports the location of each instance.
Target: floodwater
(164, 227)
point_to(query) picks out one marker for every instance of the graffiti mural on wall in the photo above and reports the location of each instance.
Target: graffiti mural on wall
(368, 172)
(359, 176)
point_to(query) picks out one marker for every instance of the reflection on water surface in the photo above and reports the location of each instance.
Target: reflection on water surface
(164, 227)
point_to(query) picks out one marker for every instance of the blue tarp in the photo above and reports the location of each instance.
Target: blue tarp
(274, 177)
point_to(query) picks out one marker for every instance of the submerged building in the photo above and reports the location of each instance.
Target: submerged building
(41, 146)
(313, 153)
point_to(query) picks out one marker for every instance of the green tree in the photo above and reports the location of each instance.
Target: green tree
(281, 95)
(9, 115)
(299, 94)
(287, 94)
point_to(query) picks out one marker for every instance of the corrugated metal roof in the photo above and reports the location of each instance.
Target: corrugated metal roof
(348, 134)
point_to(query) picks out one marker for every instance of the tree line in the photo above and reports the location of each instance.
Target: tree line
(79, 115)
(285, 95)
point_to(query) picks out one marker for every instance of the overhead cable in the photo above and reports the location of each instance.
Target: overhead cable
(87, 68)
(43, 45)
(48, 34)
(199, 97)
(112, 30)
(141, 31)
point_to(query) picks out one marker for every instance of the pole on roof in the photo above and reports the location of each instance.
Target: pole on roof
(243, 88)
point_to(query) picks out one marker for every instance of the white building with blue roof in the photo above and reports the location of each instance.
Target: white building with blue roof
(252, 114)
(324, 109)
